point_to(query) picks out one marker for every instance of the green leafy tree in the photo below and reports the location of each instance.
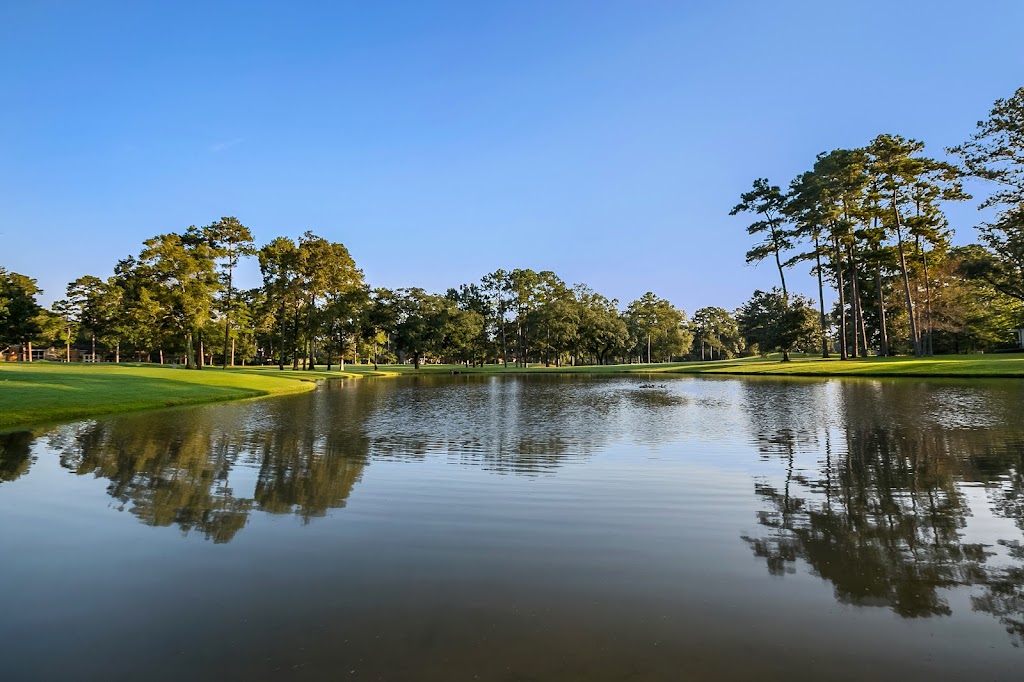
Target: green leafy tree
(716, 330)
(139, 316)
(776, 322)
(230, 241)
(280, 263)
(474, 298)
(996, 153)
(767, 201)
(331, 287)
(69, 323)
(497, 287)
(602, 331)
(87, 303)
(842, 182)
(184, 270)
(905, 179)
(657, 327)
(19, 311)
(1002, 264)
(804, 206)
(380, 317)
(421, 323)
(523, 285)
(969, 314)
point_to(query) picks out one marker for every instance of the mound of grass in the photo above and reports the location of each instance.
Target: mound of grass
(41, 392)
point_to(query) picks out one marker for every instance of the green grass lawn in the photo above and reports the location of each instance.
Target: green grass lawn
(1000, 365)
(41, 392)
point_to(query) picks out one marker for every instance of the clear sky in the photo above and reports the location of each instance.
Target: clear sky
(439, 141)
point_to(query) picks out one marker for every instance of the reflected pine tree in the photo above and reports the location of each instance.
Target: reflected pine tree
(15, 454)
(883, 519)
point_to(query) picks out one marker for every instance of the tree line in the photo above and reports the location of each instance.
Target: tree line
(176, 302)
(869, 221)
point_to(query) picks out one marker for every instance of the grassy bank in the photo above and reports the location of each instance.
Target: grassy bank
(1002, 365)
(41, 392)
(981, 366)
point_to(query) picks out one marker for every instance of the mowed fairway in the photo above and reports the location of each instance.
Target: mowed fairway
(992, 366)
(1002, 365)
(39, 392)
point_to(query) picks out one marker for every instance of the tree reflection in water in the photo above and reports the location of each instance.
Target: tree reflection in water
(179, 470)
(882, 513)
(15, 454)
(182, 469)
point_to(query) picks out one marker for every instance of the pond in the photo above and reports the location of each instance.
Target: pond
(525, 528)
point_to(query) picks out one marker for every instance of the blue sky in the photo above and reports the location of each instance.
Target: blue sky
(606, 141)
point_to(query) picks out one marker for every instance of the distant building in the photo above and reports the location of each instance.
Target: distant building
(16, 353)
(1018, 334)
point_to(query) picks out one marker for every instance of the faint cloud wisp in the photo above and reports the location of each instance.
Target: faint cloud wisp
(221, 146)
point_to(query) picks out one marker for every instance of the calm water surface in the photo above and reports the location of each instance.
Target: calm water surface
(531, 528)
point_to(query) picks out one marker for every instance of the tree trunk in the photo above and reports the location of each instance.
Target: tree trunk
(117, 352)
(906, 278)
(416, 360)
(93, 358)
(67, 350)
(227, 312)
(821, 305)
(280, 341)
(295, 342)
(233, 353)
(190, 359)
(782, 278)
(883, 334)
(161, 352)
(906, 290)
(778, 260)
(841, 287)
(202, 352)
(504, 347)
(928, 349)
(858, 309)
